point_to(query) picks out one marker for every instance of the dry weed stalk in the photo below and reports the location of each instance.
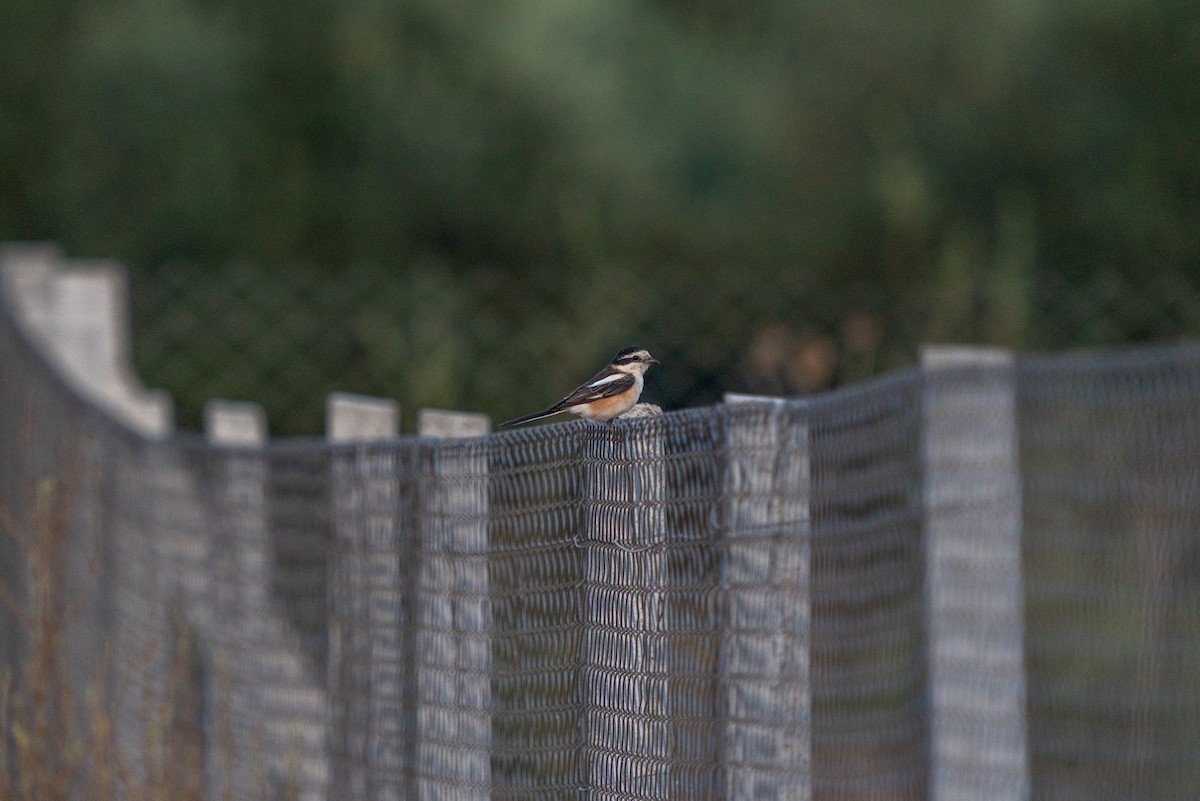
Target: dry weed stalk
(60, 742)
(41, 711)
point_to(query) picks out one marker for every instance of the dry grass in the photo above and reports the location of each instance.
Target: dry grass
(60, 740)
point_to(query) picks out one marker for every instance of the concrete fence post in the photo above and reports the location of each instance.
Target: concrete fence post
(275, 710)
(360, 418)
(454, 613)
(973, 587)
(626, 736)
(76, 315)
(365, 645)
(78, 312)
(766, 668)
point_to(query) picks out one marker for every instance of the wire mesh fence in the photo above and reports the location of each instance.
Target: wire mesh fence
(1110, 477)
(437, 335)
(972, 580)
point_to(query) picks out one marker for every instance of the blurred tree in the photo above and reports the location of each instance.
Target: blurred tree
(33, 40)
(719, 171)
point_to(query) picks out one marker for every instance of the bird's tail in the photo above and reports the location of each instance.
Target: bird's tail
(516, 421)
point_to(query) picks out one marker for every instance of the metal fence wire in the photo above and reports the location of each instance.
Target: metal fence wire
(976, 580)
(433, 336)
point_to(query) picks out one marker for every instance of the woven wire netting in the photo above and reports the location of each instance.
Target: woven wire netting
(430, 335)
(1111, 485)
(727, 602)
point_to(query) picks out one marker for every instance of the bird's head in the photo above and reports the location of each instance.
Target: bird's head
(633, 360)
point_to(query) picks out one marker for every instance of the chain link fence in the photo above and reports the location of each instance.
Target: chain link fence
(433, 335)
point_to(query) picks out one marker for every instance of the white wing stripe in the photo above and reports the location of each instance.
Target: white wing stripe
(608, 379)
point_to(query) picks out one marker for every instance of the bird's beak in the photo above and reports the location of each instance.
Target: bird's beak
(653, 360)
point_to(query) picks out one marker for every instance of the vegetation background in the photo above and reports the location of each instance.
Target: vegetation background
(431, 199)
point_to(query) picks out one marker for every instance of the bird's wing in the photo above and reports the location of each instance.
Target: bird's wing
(603, 384)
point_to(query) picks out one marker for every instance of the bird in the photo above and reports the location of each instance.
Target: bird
(605, 396)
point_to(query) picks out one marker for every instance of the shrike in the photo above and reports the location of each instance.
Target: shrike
(605, 396)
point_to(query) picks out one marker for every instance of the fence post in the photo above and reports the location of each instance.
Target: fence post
(454, 614)
(766, 670)
(76, 315)
(274, 707)
(365, 606)
(77, 311)
(360, 418)
(238, 508)
(973, 587)
(626, 735)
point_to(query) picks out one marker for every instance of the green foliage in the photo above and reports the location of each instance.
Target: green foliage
(720, 168)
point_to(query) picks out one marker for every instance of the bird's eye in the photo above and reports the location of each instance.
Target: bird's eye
(636, 358)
